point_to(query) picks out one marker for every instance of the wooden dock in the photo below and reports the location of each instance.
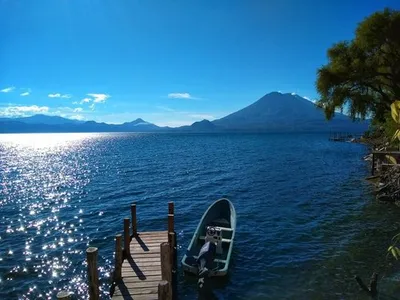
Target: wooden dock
(145, 265)
(141, 272)
(145, 269)
(343, 136)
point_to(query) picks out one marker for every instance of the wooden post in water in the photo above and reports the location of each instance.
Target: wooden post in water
(118, 258)
(170, 223)
(171, 208)
(163, 290)
(171, 242)
(93, 277)
(134, 221)
(166, 266)
(127, 237)
(63, 295)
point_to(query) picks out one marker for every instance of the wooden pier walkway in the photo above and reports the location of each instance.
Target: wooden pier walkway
(141, 273)
(145, 265)
(144, 269)
(344, 136)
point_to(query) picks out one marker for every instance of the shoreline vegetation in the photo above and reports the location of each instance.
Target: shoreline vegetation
(362, 76)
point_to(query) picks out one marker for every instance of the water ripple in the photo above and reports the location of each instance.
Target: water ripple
(305, 221)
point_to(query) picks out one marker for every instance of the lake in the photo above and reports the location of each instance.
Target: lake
(307, 219)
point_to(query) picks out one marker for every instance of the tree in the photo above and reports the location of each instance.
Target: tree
(363, 74)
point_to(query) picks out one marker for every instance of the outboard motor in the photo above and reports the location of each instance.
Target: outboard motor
(205, 258)
(204, 262)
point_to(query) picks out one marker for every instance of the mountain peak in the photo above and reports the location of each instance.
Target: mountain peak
(138, 121)
(46, 119)
(283, 112)
(275, 93)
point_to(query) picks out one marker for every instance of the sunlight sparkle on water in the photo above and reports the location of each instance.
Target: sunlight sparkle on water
(44, 140)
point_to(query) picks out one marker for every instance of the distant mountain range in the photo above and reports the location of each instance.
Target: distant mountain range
(275, 112)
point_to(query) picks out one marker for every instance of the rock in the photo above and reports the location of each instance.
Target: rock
(373, 178)
(388, 188)
(368, 157)
(381, 185)
(382, 190)
(384, 198)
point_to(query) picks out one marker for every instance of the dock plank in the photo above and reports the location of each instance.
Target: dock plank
(136, 297)
(129, 290)
(141, 272)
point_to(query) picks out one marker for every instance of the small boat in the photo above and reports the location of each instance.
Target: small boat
(212, 243)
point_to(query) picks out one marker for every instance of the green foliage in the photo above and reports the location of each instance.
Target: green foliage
(363, 75)
(390, 127)
(393, 249)
(392, 123)
(395, 111)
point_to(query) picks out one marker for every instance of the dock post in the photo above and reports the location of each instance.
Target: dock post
(93, 276)
(170, 223)
(63, 295)
(174, 259)
(166, 265)
(127, 237)
(172, 242)
(171, 208)
(118, 258)
(163, 290)
(134, 221)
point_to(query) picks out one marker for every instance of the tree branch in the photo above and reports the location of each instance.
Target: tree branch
(372, 289)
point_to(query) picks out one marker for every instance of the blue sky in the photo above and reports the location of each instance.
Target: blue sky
(168, 62)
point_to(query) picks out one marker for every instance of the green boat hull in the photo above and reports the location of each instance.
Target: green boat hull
(223, 215)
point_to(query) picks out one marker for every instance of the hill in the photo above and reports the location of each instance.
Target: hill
(274, 112)
(286, 112)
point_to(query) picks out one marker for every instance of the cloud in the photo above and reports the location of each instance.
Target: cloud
(75, 102)
(77, 117)
(18, 111)
(85, 100)
(309, 99)
(25, 94)
(54, 95)
(180, 96)
(99, 98)
(78, 110)
(92, 106)
(293, 94)
(8, 90)
(58, 95)
(202, 116)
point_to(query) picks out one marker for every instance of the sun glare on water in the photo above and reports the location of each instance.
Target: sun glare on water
(45, 141)
(42, 182)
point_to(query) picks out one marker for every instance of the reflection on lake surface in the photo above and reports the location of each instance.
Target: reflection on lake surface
(307, 222)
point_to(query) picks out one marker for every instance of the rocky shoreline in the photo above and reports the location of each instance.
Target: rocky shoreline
(387, 173)
(388, 186)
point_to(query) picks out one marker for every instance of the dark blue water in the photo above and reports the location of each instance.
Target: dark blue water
(307, 222)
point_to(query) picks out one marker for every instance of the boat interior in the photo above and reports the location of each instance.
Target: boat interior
(216, 227)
